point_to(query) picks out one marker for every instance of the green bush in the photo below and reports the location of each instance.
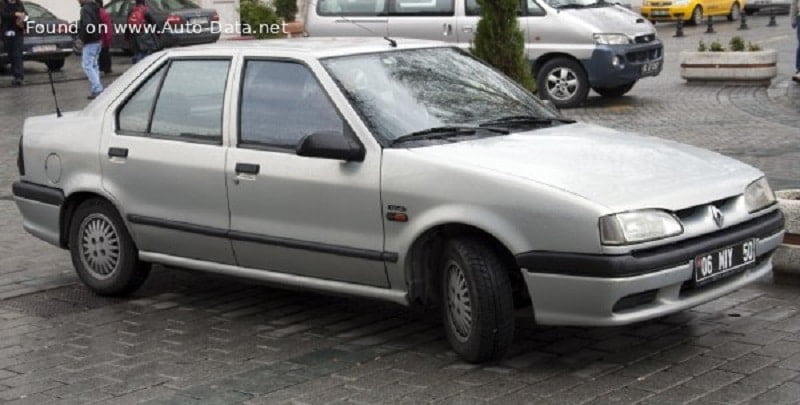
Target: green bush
(716, 46)
(286, 9)
(500, 42)
(256, 14)
(751, 47)
(737, 44)
(701, 47)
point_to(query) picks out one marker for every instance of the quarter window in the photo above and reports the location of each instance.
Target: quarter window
(282, 103)
(173, 103)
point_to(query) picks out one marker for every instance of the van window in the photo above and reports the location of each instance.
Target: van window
(423, 7)
(533, 8)
(352, 7)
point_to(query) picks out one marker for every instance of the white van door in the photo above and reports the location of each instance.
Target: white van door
(348, 18)
(469, 14)
(423, 19)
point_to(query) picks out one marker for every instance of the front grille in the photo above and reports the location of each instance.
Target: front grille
(687, 214)
(635, 300)
(644, 56)
(644, 39)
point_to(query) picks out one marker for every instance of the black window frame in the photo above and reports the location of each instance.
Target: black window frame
(167, 65)
(347, 129)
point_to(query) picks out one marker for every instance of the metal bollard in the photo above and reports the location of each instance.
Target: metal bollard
(772, 22)
(679, 26)
(710, 29)
(743, 21)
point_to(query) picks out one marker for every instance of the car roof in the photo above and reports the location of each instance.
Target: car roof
(321, 47)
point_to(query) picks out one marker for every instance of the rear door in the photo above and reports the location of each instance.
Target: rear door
(469, 13)
(346, 18)
(163, 159)
(423, 19)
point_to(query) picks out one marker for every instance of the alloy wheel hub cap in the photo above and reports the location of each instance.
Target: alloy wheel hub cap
(459, 305)
(562, 83)
(99, 246)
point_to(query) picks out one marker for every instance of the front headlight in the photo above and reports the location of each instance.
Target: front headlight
(611, 39)
(758, 195)
(638, 226)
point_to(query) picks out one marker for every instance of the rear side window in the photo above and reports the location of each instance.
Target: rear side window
(423, 7)
(282, 103)
(170, 5)
(172, 103)
(532, 8)
(352, 7)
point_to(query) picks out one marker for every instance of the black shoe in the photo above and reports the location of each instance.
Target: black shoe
(17, 82)
(93, 95)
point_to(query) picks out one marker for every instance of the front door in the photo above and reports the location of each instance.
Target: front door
(164, 160)
(307, 216)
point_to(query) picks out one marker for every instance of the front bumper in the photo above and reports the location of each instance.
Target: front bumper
(40, 207)
(603, 73)
(597, 297)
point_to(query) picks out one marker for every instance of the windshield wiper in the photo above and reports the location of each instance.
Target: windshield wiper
(526, 120)
(449, 131)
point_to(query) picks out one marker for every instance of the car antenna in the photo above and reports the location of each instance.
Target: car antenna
(53, 89)
(392, 42)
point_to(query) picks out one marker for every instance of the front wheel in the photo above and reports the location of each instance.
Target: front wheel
(736, 12)
(478, 303)
(697, 16)
(103, 253)
(563, 81)
(612, 92)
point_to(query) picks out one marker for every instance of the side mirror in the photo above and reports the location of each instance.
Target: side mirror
(551, 107)
(330, 145)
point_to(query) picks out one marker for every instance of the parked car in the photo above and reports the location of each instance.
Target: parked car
(407, 172)
(573, 45)
(770, 6)
(692, 11)
(49, 42)
(179, 14)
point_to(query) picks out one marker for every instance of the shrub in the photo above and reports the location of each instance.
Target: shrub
(751, 47)
(286, 9)
(737, 44)
(716, 46)
(701, 47)
(500, 42)
(255, 13)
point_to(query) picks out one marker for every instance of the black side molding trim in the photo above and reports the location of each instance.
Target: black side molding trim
(36, 192)
(648, 260)
(345, 251)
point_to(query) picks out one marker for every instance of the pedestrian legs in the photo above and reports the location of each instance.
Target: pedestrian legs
(91, 54)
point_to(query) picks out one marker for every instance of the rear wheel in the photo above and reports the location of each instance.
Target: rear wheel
(54, 65)
(478, 303)
(736, 12)
(563, 81)
(697, 16)
(617, 91)
(103, 253)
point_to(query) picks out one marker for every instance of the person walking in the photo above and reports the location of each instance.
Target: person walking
(107, 37)
(795, 17)
(12, 27)
(89, 32)
(141, 31)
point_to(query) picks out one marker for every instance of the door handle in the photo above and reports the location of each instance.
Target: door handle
(468, 30)
(118, 152)
(247, 168)
(447, 29)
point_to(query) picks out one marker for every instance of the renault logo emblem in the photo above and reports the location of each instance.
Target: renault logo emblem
(718, 217)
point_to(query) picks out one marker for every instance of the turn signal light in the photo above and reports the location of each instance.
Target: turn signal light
(397, 217)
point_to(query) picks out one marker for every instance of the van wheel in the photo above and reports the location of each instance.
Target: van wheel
(477, 300)
(697, 16)
(564, 82)
(103, 253)
(612, 92)
(736, 12)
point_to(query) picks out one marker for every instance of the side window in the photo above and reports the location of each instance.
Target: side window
(472, 8)
(172, 103)
(352, 7)
(423, 7)
(282, 103)
(534, 9)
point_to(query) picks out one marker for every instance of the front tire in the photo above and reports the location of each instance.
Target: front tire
(697, 16)
(478, 302)
(103, 253)
(614, 92)
(563, 81)
(736, 12)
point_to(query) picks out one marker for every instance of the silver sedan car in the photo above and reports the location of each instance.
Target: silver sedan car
(403, 171)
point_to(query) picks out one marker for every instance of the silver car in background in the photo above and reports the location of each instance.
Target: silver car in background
(573, 45)
(411, 173)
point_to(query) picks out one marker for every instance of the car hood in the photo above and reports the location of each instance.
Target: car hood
(612, 19)
(621, 171)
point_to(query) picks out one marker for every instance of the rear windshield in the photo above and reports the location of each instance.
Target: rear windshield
(169, 5)
(36, 11)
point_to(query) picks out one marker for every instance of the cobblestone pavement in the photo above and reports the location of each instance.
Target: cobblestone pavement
(194, 338)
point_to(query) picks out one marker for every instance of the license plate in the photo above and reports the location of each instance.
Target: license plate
(198, 21)
(44, 48)
(651, 68)
(715, 264)
(660, 13)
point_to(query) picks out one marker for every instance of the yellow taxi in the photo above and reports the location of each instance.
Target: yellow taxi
(692, 11)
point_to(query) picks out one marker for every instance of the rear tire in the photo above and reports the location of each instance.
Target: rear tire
(54, 65)
(613, 92)
(103, 253)
(477, 300)
(563, 81)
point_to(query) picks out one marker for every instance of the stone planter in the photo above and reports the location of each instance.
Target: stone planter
(787, 258)
(733, 67)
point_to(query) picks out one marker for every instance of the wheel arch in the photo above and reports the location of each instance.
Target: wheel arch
(540, 61)
(71, 203)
